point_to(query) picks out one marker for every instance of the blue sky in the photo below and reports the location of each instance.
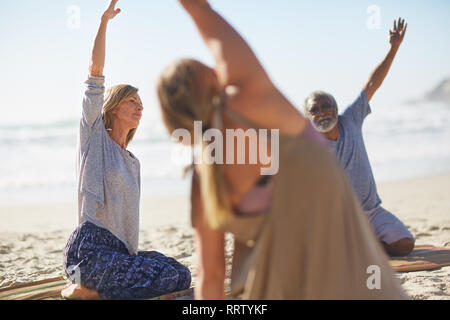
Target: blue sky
(304, 45)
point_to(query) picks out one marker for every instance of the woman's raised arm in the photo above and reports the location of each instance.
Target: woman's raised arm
(93, 96)
(98, 52)
(236, 64)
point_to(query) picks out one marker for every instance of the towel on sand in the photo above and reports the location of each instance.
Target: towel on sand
(423, 257)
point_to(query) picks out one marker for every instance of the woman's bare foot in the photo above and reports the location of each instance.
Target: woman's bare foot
(77, 292)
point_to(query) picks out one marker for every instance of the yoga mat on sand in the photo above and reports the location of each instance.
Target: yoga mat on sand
(50, 289)
(423, 257)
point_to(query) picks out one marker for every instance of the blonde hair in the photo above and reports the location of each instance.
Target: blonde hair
(187, 90)
(114, 96)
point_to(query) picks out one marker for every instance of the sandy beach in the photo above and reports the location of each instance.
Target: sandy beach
(32, 238)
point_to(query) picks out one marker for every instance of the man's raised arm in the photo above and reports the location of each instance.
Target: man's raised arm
(377, 77)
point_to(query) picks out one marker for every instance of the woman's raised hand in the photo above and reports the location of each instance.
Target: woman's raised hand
(111, 11)
(98, 53)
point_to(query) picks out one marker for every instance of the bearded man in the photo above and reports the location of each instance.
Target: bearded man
(344, 136)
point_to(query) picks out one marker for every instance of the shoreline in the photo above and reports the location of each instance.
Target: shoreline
(37, 215)
(158, 188)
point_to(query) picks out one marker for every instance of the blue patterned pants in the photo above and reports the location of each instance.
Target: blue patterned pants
(104, 264)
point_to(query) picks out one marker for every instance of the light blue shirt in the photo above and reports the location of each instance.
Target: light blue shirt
(352, 155)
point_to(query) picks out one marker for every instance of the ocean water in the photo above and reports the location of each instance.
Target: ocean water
(408, 141)
(37, 163)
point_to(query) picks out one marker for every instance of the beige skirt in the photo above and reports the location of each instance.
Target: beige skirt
(316, 242)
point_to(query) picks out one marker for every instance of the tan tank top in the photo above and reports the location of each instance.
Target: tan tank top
(316, 241)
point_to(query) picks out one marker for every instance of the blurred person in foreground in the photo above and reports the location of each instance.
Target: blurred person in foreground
(299, 233)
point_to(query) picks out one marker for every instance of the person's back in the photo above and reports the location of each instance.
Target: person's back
(314, 242)
(318, 246)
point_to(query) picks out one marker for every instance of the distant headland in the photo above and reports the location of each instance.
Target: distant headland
(441, 93)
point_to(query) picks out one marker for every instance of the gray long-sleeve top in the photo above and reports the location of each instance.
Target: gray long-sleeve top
(108, 176)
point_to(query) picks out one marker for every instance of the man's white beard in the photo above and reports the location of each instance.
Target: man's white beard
(325, 124)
